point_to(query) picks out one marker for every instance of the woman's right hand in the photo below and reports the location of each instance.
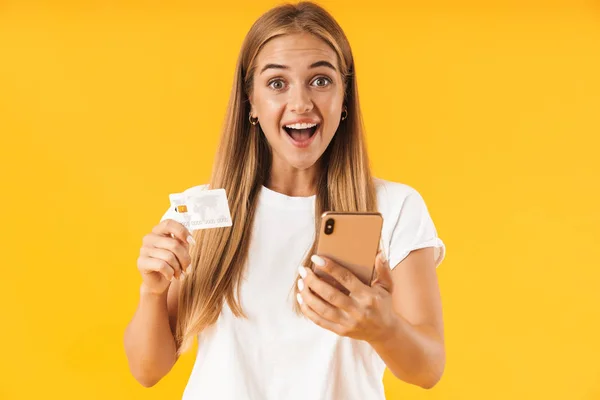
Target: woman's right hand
(164, 255)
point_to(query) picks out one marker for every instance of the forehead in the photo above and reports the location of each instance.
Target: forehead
(296, 50)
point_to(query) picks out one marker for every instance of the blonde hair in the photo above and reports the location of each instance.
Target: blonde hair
(243, 163)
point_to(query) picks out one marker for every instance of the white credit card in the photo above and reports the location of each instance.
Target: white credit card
(200, 209)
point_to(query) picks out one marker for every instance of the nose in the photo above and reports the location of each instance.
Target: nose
(300, 101)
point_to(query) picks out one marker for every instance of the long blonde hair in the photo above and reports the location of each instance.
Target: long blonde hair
(243, 163)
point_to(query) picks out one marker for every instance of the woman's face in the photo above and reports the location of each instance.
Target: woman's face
(297, 96)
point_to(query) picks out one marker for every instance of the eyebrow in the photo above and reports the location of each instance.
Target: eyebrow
(317, 64)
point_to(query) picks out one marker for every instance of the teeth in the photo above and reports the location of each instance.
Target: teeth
(301, 126)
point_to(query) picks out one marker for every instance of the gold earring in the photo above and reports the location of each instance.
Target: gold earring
(252, 121)
(344, 113)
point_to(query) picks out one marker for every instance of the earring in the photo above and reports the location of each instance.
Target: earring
(344, 113)
(253, 121)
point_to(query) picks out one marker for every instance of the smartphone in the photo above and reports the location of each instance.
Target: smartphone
(351, 239)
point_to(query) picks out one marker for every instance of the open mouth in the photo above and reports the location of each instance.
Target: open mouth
(301, 132)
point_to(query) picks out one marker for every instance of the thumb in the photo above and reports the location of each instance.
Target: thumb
(384, 274)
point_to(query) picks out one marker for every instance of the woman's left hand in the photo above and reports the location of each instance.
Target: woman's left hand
(366, 314)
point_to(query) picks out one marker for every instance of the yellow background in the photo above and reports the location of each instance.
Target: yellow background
(490, 109)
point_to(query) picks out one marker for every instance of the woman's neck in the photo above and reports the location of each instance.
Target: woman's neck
(293, 182)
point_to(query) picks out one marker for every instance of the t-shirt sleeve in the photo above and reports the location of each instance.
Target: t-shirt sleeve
(413, 229)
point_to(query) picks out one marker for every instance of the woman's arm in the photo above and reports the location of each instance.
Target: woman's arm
(399, 314)
(414, 348)
(149, 337)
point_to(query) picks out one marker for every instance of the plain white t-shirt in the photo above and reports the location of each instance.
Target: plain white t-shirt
(276, 354)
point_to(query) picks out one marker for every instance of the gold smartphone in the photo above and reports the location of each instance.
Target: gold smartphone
(351, 239)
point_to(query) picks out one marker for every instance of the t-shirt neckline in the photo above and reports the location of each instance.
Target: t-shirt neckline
(273, 198)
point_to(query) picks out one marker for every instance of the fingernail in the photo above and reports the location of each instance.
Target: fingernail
(382, 257)
(299, 298)
(302, 271)
(190, 240)
(318, 260)
(300, 284)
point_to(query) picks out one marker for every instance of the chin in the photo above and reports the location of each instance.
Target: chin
(302, 163)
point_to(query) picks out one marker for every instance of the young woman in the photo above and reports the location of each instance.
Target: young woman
(267, 326)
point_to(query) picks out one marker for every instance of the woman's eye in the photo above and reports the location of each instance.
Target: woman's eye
(321, 81)
(276, 84)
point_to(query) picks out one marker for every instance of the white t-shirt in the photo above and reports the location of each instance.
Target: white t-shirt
(276, 354)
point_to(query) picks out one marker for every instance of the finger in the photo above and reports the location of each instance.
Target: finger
(165, 255)
(340, 274)
(384, 273)
(327, 292)
(174, 246)
(157, 265)
(175, 229)
(316, 318)
(318, 305)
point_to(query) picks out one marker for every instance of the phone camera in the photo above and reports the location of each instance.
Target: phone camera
(329, 226)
